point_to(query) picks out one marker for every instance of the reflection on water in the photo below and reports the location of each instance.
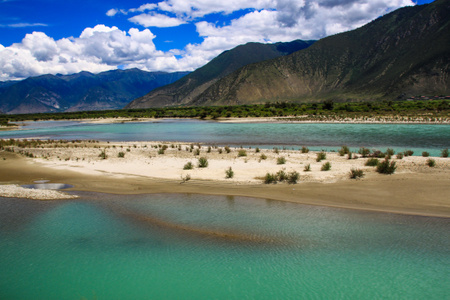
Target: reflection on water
(48, 186)
(201, 247)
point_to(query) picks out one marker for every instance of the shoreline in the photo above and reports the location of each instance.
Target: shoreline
(276, 120)
(415, 189)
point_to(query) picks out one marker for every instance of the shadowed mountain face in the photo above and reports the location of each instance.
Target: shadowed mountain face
(402, 54)
(81, 91)
(185, 90)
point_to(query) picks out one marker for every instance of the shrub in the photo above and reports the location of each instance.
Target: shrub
(242, 152)
(408, 152)
(425, 154)
(321, 156)
(121, 154)
(356, 173)
(378, 153)
(229, 173)
(281, 160)
(257, 150)
(400, 155)
(444, 153)
(386, 167)
(270, 178)
(209, 149)
(227, 149)
(263, 156)
(390, 152)
(372, 162)
(350, 155)
(188, 166)
(103, 155)
(275, 150)
(161, 151)
(364, 152)
(220, 150)
(197, 152)
(186, 178)
(202, 162)
(307, 168)
(305, 150)
(431, 163)
(281, 175)
(293, 177)
(326, 166)
(344, 150)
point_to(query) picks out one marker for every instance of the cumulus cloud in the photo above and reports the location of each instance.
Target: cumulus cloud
(97, 49)
(103, 48)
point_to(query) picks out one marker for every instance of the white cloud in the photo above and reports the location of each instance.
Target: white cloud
(23, 25)
(156, 20)
(112, 12)
(103, 48)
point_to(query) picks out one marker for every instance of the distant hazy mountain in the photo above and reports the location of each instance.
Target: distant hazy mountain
(81, 91)
(402, 54)
(185, 90)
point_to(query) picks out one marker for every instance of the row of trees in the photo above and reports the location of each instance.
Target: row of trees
(277, 109)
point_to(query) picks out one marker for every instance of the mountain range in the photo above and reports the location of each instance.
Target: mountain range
(401, 54)
(185, 90)
(81, 91)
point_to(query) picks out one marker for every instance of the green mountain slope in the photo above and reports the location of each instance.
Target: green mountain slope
(186, 89)
(81, 91)
(402, 54)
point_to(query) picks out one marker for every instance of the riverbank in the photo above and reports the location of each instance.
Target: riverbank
(415, 188)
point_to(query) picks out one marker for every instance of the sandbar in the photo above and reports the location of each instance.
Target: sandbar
(415, 188)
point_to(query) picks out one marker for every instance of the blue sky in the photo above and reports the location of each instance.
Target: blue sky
(68, 36)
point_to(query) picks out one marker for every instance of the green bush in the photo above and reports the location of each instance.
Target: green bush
(161, 151)
(202, 162)
(281, 175)
(103, 155)
(293, 177)
(321, 156)
(197, 152)
(444, 153)
(400, 155)
(372, 162)
(390, 152)
(263, 156)
(364, 152)
(121, 154)
(307, 168)
(220, 150)
(431, 163)
(305, 150)
(281, 160)
(257, 150)
(229, 173)
(270, 178)
(425, 154)
(408, 152)
(227, 149)
(356, 173)
(386, 167)
(275, 150)
(242, 152)
(326, 166)
(188, 166)
(344, 150)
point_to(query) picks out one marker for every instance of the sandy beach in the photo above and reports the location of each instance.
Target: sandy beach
(415, 188)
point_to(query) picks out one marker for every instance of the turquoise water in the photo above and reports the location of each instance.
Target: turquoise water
(417, 137)
(210, 247)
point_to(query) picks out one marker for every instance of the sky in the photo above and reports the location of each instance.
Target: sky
(68, 36)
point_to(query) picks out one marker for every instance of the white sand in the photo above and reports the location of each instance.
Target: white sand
(15, 191)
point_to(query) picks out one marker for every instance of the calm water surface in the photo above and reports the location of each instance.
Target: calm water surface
(417, 137)
(210, 247)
